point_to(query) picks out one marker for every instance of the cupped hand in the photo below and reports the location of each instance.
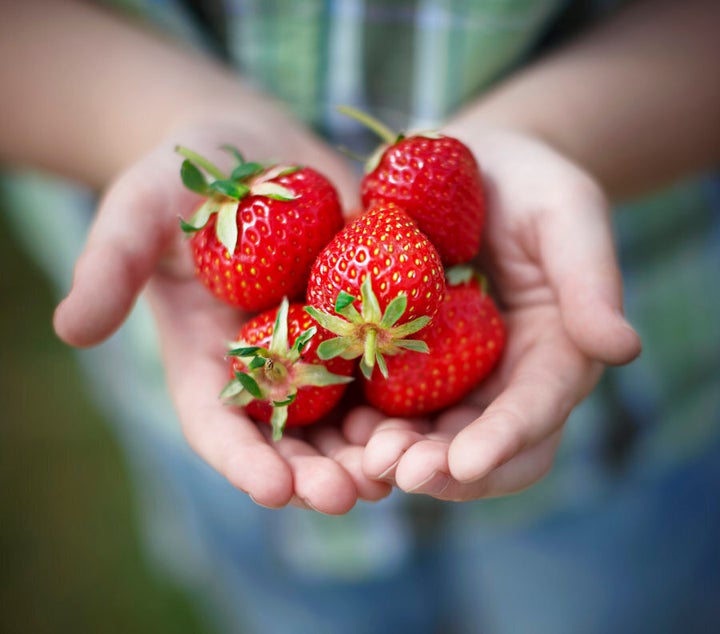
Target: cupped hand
(549, 253)
(136, 244)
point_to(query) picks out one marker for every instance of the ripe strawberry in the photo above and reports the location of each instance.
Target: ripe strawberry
(277, 375)
(465, 339)
(385, 281)
(259, 230)
(436, 180)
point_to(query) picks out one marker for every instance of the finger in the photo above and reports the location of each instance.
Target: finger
(320, 482)
(192, 347)
(523, 471)
(135, 224)
(360, 423)
(389, 442)
(331, 443)
(577, 248)
(423, 468)
(546, 384)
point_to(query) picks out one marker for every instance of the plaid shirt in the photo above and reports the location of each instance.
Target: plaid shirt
(411, 62)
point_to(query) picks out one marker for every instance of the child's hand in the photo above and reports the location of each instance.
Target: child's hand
(136, 240)
(549, 253)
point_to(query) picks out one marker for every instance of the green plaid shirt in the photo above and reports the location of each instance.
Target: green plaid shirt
(410, 62)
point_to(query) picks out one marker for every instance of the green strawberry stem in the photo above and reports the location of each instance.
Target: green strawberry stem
(370, 351)
(202, 161)
(385, 133)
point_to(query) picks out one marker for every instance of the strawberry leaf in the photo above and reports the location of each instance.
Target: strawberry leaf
(335, 347)
(318, 375)
(336, 325)
(244, 170)
(416, 345)
(249, 384)
(187, 227)
(233, 151)
(288, 401)
(411, 327)
(250, 351)
(303, 340)
(279, 341)
(366, 369)
(277, 171)
(273, 191)
(193, 178)
(343, 299)
(230, 188)
(200, 218)
(395, 309)
(370, 306)
(226, 228)
(382, 366)
(278, 418)
(257, 362)
(232, 388)
(459, 275)
(344, 306)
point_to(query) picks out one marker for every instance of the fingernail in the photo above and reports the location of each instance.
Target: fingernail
(307, 503)
(386, 474)
(433, 485)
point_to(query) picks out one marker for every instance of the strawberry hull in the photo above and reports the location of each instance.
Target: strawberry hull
(379, 281)
(276, 375)
(259, 229)
(465, 343)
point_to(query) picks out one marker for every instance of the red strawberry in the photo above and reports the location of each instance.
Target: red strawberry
(465, 339)
(436, 180)
(277, 375)
(385, 281)
(257, 234)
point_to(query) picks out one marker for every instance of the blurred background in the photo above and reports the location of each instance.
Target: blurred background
(71, 559)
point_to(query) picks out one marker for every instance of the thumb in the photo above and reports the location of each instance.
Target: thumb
(136, 222)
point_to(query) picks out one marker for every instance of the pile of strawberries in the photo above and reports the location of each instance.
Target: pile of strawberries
(388, 294)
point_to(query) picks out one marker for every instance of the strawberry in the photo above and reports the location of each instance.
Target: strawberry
(259, 230)
(465, 339)
(435, 179)
(384, 281)
(276, 373)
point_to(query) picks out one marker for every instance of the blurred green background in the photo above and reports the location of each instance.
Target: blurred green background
(70, 556)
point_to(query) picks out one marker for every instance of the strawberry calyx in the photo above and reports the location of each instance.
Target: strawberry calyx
(368, 333)
(224, 191)
(463, 274)
(276, 373)
(388, 136)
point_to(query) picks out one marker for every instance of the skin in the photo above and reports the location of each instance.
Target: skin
(549, 179)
